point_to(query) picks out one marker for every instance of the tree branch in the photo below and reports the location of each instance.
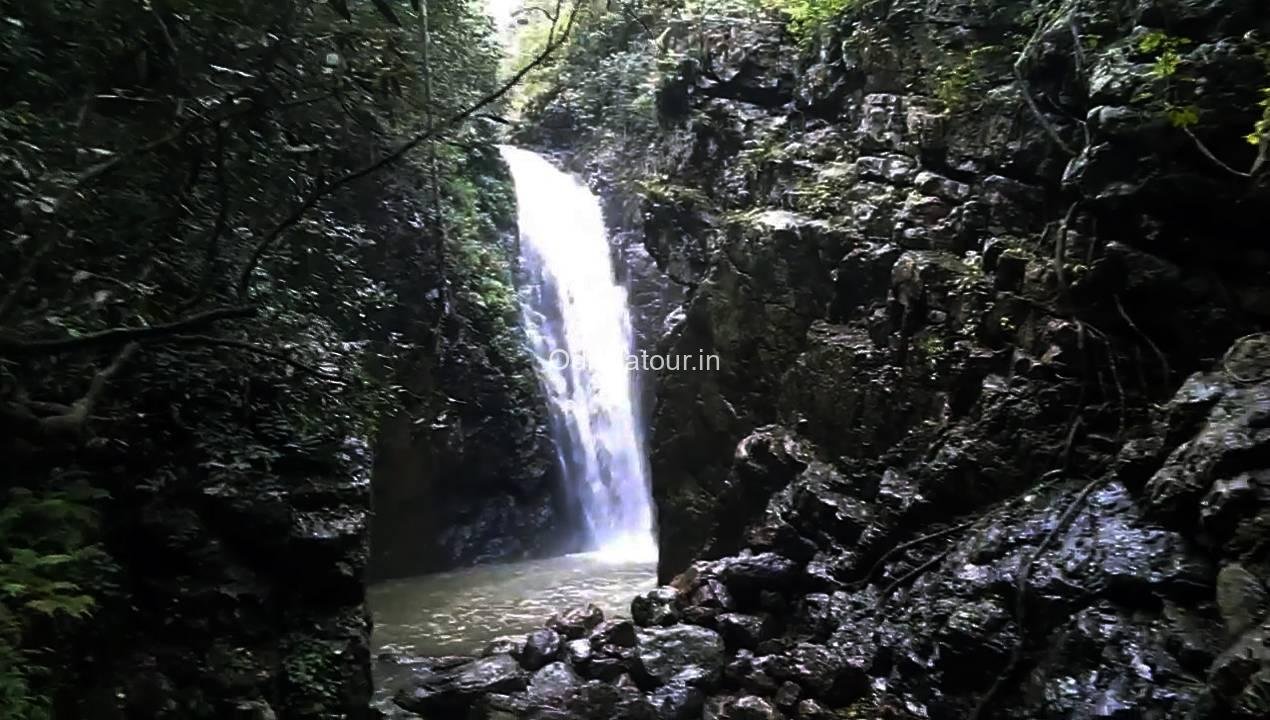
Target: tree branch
(218, 229)
(255, 350)
(1026, 89)
(1261, 155)
(71, 423)
(14, 347)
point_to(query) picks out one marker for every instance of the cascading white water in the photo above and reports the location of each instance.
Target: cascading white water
(579, 328)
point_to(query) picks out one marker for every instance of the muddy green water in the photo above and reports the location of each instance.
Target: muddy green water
(458, 613)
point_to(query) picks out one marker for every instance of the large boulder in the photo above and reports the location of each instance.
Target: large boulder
(692, 654)
(456, 689)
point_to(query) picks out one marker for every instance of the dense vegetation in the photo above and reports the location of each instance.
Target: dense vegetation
(240, 239)
(220, 225)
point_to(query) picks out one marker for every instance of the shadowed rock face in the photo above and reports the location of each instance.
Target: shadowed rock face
(985, 440)
(469, 474)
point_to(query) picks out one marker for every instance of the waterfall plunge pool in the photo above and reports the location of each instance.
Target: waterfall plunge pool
(570, 303)
(462, 611)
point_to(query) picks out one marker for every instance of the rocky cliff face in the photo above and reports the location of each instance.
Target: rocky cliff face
(466, 473)
(988, 436)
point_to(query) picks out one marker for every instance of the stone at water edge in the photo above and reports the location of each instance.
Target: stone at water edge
(504, 646)
(577, 622)
(541, 647)
(456, 689)
(656, 607)
(614, 632)
(578, 652)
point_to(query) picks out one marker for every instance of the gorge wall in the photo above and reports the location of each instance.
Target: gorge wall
(986, 281)
(466, 472)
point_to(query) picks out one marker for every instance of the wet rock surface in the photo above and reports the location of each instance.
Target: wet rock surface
(990, 436)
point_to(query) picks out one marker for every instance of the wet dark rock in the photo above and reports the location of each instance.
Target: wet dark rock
(786, 697)
(576, 623)
(457, 689)
(712, 593)
(1242, 598)
(607, 669)
(973, 644)
(603, 701)
(514, 707)
(541, 647)
(764, 571)
(812, 710)
(578, 652)
(752, 707)
(619, 633)
(743, 631)
(922, 417)
(505, 646)
(692, 654)
(656, 607)
(818, 670)
(677, 701)
(554, 683)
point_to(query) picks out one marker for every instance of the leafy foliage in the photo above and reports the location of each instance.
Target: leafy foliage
(159, 162)
(49, 568)
(806, 17)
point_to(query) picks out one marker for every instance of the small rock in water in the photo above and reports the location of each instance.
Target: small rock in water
(504, 646)
(541, 647)
(575, 623)
(578, 652)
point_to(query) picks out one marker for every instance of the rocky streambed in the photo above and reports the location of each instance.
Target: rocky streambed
(1112, 596)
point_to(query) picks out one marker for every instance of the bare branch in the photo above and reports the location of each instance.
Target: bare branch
(1159, 354)
(1026, 89)
(1221, 163)
(72, 422)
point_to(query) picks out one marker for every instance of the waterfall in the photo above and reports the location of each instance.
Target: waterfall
(579, 329)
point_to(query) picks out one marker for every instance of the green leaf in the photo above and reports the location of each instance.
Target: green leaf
(74, 605)
(1183, 116)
